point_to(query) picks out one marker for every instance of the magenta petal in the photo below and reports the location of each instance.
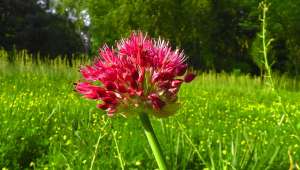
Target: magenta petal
(135, 75)
(89, 73)
(176, 83)
(173, 91)
(155, 76)
(164, 84)
(110, 94)
(103, 106)
(111, 111)
(189, 77)
(121, 88)
(90, 91)
(181, 69)
(157, 103)
(110, 85)
(110, 100)
(166, 76)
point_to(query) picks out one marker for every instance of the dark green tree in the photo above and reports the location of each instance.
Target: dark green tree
(215, 34)
(25, 25)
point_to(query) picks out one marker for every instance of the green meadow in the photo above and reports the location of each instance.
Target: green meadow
(225, 121)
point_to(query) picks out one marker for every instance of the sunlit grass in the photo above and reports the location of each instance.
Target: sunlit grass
(224, 122)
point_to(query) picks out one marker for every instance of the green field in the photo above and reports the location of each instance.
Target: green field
(225, 121)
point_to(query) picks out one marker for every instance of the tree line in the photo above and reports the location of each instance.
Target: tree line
(26, 24)
(215, 34)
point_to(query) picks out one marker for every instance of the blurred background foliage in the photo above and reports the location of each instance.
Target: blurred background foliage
(218, 35)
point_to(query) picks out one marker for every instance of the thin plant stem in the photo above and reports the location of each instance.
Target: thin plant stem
(96, 149)
(196, 150)
(265, 43)
(101, 135)
(118, 151)
(154, 144)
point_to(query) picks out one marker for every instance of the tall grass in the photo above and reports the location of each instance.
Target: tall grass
(225, 122)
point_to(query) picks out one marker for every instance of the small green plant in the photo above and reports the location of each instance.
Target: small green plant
(261, 47)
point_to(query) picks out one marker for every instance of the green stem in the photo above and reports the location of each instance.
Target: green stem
(266, 44)
(153, 141)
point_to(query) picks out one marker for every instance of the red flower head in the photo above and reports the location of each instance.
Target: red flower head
(142, 74)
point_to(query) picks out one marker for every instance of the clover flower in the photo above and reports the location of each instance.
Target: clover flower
(140, 75)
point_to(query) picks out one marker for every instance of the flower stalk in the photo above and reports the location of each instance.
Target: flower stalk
(153, 142)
